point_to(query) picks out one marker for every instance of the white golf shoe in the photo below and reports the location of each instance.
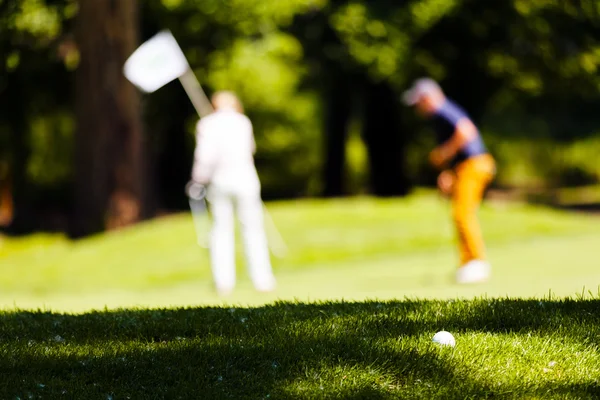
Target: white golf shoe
(224, 291)
(266, 286)
(475, 271)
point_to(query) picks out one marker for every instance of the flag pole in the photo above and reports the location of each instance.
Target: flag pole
(195, 93)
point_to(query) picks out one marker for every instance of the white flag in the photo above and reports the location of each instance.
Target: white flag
(156, 62)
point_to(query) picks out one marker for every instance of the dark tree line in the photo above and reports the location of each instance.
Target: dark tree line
(130, 155)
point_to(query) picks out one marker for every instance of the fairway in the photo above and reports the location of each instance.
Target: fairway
(352, 249)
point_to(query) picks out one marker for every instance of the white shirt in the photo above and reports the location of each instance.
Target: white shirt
(224, 154)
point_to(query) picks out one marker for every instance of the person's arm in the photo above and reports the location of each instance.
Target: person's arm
(253, 143)
(464, 133)
(445, 182)
(252, 139)
(203, 156)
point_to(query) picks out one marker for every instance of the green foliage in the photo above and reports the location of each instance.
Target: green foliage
(382, 37)
(357, 160)
(36, 130)
(523, 161)
(30, 25)
(267, 73)
(247, 17)
(12, 61)
(553, 45)
(517, 52)
(51, 144)
(371, 42)
(253, 56)
(38, 19)
(427, 13)
(546, 163)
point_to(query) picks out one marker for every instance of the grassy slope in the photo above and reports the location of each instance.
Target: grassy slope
(353, 249)
(505, 349)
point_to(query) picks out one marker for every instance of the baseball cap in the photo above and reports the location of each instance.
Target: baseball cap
(420, 88)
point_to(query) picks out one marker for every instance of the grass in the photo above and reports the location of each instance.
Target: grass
(353, 249)
(132, 314)
(506, 349)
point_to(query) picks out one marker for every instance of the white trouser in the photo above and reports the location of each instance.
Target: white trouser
(249, 207)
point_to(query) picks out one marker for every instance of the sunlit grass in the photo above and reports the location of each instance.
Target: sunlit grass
(537, 349)
(341, 332)
(348, 248)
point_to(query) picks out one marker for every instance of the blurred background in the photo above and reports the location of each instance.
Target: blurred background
(321, 81)
(82, 151)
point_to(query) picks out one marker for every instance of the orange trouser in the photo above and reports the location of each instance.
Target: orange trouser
(472, 178)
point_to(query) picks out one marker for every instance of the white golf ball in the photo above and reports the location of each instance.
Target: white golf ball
(444, 338)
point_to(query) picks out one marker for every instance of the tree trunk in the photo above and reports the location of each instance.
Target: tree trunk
(338, 105)
(6, 197)
(108, 163)
(21, 220)
(385, 141)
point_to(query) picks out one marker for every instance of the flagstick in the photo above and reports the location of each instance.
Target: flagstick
(195, 93)
(276, 242)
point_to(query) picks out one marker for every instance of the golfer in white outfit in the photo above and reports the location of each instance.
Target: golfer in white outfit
(224, 160)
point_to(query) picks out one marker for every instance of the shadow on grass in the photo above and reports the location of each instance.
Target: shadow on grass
(369, 350)
(592, 208)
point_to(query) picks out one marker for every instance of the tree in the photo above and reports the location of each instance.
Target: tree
(244, 46)
(33, 87)
(109, 165)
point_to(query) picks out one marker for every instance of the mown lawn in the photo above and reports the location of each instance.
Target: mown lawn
(365, 286)
(351, 249)
(506, 349)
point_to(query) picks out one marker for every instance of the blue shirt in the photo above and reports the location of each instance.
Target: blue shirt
(445, 120)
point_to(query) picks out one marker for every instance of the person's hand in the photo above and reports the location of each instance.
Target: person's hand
(445, 182)
(195, 190)
(437, 157)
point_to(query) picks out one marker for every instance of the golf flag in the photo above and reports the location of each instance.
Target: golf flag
(160, 61)
(156, 63)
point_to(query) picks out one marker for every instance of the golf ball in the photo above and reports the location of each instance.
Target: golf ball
(444, 338)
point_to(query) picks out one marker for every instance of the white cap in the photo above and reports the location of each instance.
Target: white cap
(420, 88)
